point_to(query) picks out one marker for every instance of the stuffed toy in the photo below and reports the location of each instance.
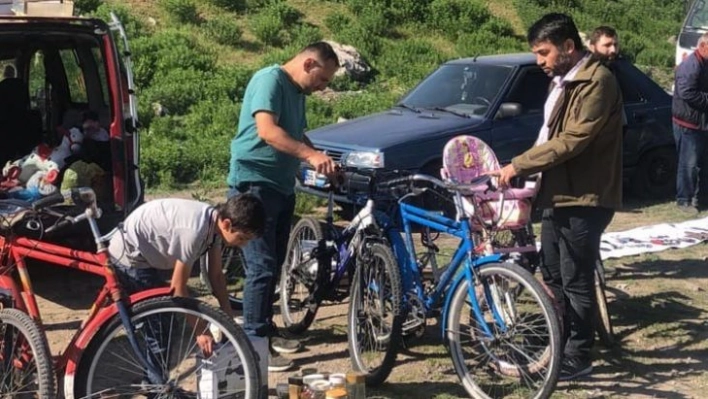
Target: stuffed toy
(37, 173)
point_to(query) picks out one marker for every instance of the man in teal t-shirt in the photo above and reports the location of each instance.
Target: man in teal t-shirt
(265, 157)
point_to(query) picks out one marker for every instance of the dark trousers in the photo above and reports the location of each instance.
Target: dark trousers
(570, 241)
(692, 173)
(265, 256)
(153, 331)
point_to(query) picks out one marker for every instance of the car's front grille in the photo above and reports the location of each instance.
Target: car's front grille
(335, 155)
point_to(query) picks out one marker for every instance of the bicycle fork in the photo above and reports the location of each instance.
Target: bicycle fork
(155, 377)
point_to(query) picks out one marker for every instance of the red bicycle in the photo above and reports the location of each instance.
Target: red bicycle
(141, 345)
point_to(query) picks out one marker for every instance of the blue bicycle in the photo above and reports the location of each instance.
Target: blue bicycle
(497, 321)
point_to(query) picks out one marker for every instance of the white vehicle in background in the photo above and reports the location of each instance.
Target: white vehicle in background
(695, 24)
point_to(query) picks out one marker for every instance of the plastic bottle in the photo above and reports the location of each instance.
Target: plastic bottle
(356, 385)
(209, 382)
(336, 393)
(294, 387)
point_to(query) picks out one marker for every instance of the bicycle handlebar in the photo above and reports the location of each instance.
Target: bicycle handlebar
(473, 185)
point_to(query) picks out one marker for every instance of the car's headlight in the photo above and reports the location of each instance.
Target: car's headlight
(364, 159)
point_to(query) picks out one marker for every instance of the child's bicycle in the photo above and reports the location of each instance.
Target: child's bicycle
(320, 255)
(504, 341)
(137, 346)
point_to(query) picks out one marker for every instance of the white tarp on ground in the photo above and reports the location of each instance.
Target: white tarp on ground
(654, 238)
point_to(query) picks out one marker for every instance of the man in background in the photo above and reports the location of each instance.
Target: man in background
(689, 112)
(604, 43)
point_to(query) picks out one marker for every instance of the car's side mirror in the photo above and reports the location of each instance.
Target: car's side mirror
(508, 110)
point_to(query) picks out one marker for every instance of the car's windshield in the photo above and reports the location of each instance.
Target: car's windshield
(467, 89)
(698, 16)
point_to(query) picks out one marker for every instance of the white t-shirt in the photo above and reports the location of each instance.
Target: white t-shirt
(162, 231)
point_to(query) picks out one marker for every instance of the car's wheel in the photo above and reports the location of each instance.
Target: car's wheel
(655, 176)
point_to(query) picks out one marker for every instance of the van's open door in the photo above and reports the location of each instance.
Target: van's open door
(130, 108)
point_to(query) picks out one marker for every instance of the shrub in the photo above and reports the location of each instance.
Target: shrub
(407, 62)
(486, 42)
(375, 19)
(170, 49)
(267, 27)
(498, 26)
(183, 11)
(336, 22)
(303, 34)
(230, 5)
(452, 17)
(86, 6)
(178, 89)
(367, 44)
(288, 14)
(224, 30)
(134, 25)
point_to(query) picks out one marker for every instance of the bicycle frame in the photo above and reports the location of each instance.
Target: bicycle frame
(463, 260)
(108, 303)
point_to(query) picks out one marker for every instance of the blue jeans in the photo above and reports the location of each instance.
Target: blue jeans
(265, 256)
(692, 172)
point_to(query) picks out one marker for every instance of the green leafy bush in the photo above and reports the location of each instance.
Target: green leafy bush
(133, 24)
(167, 50)
(337, 21)
(406, 62)
(86, 6)
(452, 17)
(303, 34)
(267, 27)
(224, 30)
(178, 89)
(183, 11)
(288, 14)
(230, 5)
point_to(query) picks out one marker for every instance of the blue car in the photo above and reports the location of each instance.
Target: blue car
(499, 99)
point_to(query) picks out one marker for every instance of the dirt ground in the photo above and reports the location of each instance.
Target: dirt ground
(658, 305)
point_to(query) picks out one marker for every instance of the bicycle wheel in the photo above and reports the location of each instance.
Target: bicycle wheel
(166, 329)
(521, 355)
(234, 265)
(375, 313)
(27, 366)
(299, 277)
(603, 323)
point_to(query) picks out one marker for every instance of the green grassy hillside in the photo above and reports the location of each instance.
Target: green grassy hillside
(194, 57)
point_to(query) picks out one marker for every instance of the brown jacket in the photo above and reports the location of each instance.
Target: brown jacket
(582, 159)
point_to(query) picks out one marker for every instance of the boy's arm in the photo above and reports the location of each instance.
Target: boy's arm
(180, 276)
(218, 280)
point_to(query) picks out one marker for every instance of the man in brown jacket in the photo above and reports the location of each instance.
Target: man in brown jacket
(579, 155)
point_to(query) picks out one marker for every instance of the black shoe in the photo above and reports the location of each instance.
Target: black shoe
(574, 367)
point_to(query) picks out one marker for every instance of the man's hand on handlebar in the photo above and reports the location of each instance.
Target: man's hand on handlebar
(505, 175)
(322, 163)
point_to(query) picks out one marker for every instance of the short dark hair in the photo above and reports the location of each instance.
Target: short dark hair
(324, 50)
(601, 31)
(555, 28)
(246, 213)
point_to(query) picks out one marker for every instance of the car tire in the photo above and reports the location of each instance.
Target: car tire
(655, 176)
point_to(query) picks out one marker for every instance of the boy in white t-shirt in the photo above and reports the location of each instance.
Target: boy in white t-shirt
(172, 234)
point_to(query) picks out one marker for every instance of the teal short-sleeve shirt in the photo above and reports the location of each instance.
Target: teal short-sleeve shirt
(252, 159)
